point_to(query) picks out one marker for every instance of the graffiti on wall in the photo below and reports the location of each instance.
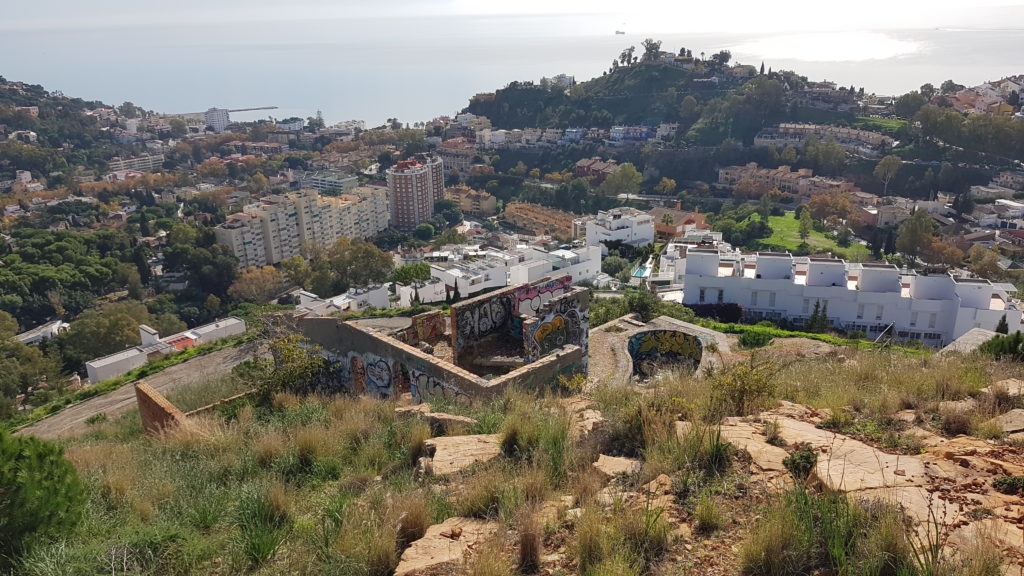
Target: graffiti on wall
(363, 374)
(529, 299)
(477, 319)
(654, 348)
(424, 385)
(565, 320)
(428, 326)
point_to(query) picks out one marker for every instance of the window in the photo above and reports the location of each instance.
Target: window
(860, 312)
(913, 318)
(701, 295)
(771, 299)
(807, 305)
(721, 296)
(753, 298)
(878, 312)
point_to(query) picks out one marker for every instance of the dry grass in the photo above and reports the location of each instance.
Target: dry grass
(413, 517)
(531, 532)
(269, 447)
(310, 444)
(707, 514)
(489, 558)
(585, 485)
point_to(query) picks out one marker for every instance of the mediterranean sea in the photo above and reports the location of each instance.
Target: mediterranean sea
(417, 68)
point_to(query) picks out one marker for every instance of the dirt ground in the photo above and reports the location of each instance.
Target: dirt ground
(71, 421)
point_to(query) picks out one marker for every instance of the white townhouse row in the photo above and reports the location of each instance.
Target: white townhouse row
(934, 308)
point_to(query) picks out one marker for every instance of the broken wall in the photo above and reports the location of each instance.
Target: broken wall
(560, 321)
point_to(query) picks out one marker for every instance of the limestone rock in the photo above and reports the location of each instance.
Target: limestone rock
(683, 429)
(907, 416)
(1012, 421)
(440, 544)
(612, 466)
(442, 423)
(1012, 387)
(451, 454)
(660, 485)
(965, 405)
(412, 410)
(745, 436)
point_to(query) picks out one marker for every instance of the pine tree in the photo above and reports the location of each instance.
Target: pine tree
(826, 324)
(762, 67)
(1003, 327)
(812, 323)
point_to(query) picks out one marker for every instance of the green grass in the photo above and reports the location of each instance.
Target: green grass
(884, 125)
(786, 237)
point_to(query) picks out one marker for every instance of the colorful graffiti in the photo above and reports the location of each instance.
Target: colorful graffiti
(656, 348)
(360, 374)
(528, 299)
(428, 326)
(476, 319)
(564, 320)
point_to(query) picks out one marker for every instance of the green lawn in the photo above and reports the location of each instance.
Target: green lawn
(885, 125)
(786, 237)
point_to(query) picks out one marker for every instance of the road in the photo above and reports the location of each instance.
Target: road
(71, 420)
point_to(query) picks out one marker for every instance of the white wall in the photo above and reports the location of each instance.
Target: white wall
(126, 361)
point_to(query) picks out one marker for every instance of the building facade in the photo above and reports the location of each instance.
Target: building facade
(872, 298)
(472, 202)
(626, 225)
(144, 163)
(414, 186)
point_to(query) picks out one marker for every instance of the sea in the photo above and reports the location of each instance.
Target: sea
(416, 69)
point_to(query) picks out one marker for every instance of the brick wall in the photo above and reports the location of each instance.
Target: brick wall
(157, 412)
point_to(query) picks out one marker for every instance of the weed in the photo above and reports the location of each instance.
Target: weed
(414, 517)
(531, 531)
(96, 419)
(1011, 485)
(490, 560)
(592, 542)
(263, 517)
(771, 433)
(955, 422)
(801, 462)
(707, 514)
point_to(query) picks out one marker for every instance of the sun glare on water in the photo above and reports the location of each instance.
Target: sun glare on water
(829, 47)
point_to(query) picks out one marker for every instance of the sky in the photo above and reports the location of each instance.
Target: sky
(735, 16)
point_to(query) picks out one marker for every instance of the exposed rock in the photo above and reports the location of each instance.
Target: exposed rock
(573, 514)
(446, 542)
(451, 454)
(412, 410)
(965, 405)
(612, 466)
(1012, 421)
(683, 428)
(660, 485)
(441, 423)
(746, 437)
(1012, 387)
(907, 416)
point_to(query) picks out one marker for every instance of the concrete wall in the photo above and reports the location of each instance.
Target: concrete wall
(115, 365)
(562, 320)
(477, 318)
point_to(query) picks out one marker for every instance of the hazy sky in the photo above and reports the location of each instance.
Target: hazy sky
(739, 16)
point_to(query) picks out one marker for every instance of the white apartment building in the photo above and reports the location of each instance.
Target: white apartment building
(329, 180)
(217, 118)
(580, 263)
(933, 308)
(144, 163)
(244, 234)
(281, 224)
(355, 300)
(626, 225)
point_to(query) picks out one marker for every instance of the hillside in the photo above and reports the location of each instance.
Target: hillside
(687, 473)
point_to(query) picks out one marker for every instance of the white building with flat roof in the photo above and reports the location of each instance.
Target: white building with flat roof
(933, 308)
(626, 225)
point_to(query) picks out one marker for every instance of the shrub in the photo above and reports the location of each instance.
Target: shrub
(1011, 485)
(754, 339)
(40, 493)
(645, 536)
(538, 432)
(955, 422)
(263, 519)
(743, 389)
(727, 312)
(801, 462)
(771, 433)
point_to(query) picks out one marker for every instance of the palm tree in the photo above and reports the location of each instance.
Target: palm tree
(667, 219)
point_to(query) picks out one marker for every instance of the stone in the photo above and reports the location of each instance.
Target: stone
(573, 514)
(683, 429)
(588, 427)
(451, 454)
(907, 416)
(1011, 422)
(440, 544)
(442, 423)
(1012, 387)
(660, 485)
(412, 410)
(744, 436)
(612, 466)
(965, 405)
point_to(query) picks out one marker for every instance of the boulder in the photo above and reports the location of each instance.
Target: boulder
(611, 466)
(906, 416)
(1012, 387)
(451, 454)
(442, 423)
(1011, 422)
(744, 436)
(412, 410)
(446, 542)
(965, 405)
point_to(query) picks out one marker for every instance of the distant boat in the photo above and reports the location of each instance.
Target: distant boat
(619, 32)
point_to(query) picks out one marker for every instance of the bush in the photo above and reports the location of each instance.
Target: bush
(801, 462)
(755, 339)
(40, 494)
(728, 313)
(743, 389)
(1011, 485)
